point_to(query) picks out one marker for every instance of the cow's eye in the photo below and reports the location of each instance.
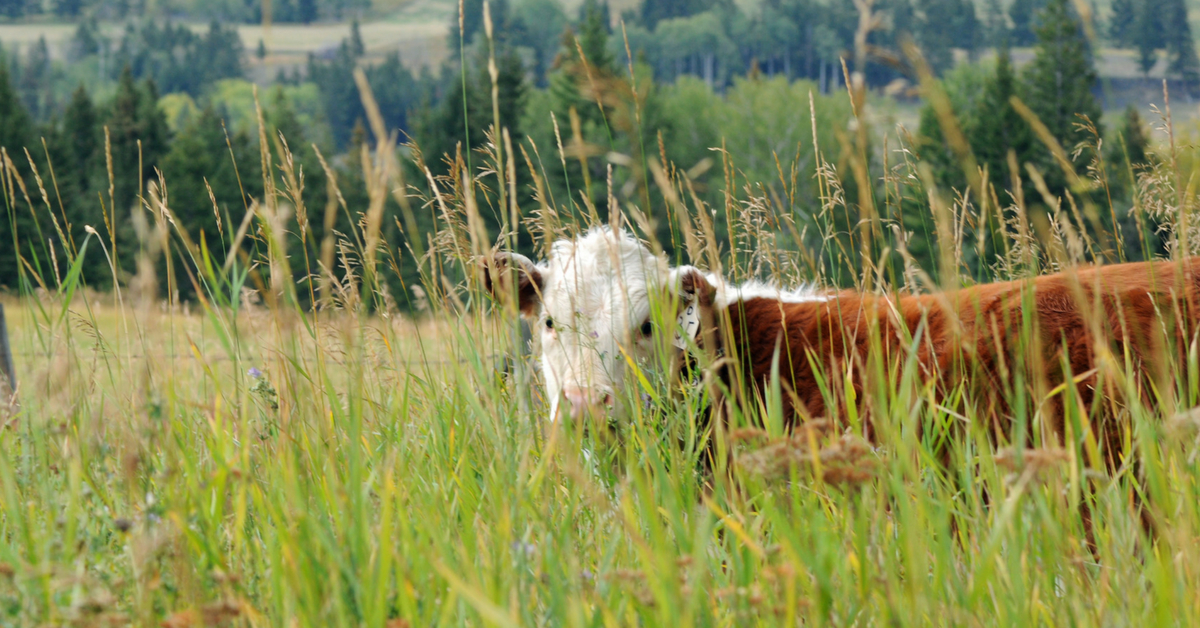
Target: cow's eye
(647, 328)
(549, 323)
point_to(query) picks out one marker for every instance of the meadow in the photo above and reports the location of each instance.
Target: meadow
(273, 452)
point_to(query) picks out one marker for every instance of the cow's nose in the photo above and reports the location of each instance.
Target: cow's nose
(582, 400)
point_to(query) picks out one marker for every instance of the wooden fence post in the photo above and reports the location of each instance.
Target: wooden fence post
(6, 363)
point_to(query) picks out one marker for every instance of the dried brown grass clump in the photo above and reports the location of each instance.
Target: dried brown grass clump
(1037, 463)
(810, 449)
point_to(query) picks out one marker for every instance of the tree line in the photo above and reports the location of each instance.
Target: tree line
(583, 120)
(247, 11)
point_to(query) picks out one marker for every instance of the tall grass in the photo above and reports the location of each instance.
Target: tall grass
(245, 460)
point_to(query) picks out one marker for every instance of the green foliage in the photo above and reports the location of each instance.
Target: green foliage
(36, 81)
(68, 8)
(654, 11)
(947, 24)
(357, 47)
(1134, 140)
(233, 99)
(396, 90)
(204, 158)
(698, 45)
(1025, 21)
(1059, 84)
(180, 109)
(969, 89)
(86, 40)
(761, 124)
(179, 60)
(995, 24)
(1129, 157)
(469, 24)
(18, 227)
(539, 25)
(1121, 24)
(1181, 48)
(997, 128)
(594, 31)
(305, 11)
(139, 138)
(15, 8)
(1156, 25)
(445, 135)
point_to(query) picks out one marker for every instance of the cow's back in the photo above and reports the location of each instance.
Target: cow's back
(1149, 311)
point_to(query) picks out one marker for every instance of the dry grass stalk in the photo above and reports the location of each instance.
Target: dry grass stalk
(810, 448)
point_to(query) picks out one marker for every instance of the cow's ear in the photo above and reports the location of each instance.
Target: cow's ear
(500, 269)
(691, 284)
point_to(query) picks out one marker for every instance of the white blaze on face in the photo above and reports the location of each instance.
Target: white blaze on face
(595, 303)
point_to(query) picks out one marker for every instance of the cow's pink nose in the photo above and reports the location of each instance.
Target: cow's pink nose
(583, 400)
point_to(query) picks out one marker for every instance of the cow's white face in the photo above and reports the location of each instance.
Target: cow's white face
(590, 305)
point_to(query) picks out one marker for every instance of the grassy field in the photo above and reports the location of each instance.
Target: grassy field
(243, 460)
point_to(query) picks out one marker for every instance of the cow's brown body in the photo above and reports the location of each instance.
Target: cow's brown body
(1147, 312)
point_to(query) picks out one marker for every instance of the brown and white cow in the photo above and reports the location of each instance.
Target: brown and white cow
(591, 301)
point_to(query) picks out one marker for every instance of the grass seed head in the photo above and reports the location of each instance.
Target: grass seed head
(848, 460)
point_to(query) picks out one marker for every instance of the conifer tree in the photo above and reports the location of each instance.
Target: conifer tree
(1126, 154)
(1059, 84)
(14, 119)
(85, 41)
(306, 11)
(35, 82)
(1181, 48)
(1023, 14)
(74, 155)
(68, 8)
(139, 138)
(13, 8)
(594, 29)
(198, 154)
(964, 25)
(996, 24)
(581, 86)
(472, 22)
(443, 133)
(443, 130)
(575, 80)
(16, 226)
(998, 128)
(539, 24)
(1133, 136)
(82, 136)
(1147, 34)
(936, 39)
(357, 47)
(1124, 16)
